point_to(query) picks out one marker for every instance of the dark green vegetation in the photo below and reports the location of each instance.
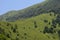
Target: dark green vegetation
(38, 22)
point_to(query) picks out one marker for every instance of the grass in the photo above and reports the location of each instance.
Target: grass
(25, 29)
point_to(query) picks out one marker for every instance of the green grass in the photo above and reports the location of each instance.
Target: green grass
(26, 30)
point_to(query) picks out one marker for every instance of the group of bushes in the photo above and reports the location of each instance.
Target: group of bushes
(48, 30)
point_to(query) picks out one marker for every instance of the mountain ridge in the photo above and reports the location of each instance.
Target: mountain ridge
(44, 7)
(19, 12)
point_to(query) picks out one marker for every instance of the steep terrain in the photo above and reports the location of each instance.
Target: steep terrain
(41, 27)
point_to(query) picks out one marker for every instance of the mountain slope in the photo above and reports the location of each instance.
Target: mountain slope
(38, 22)
(31, 28)
(44, 7)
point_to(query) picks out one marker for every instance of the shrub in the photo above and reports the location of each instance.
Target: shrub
(51, 30)
(59, 33)
(46, 21)
(1, 31)
(54, 23)
(25, 34)
(14, 30)
(50, 14)
(49, 23)
(16, 26)
(46, 30)
(8, 35)
(54, 26)
(17, 34)
(35, 25)
(8, 24)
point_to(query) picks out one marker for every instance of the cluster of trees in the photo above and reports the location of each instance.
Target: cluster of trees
(1, 30)
(58, 19)
(48, 30)
(53, 26)
(35, 24)
(10, 28)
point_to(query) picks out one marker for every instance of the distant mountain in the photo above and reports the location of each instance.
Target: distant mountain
(40, 8)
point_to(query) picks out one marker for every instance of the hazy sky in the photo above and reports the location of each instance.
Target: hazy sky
(7, 5)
